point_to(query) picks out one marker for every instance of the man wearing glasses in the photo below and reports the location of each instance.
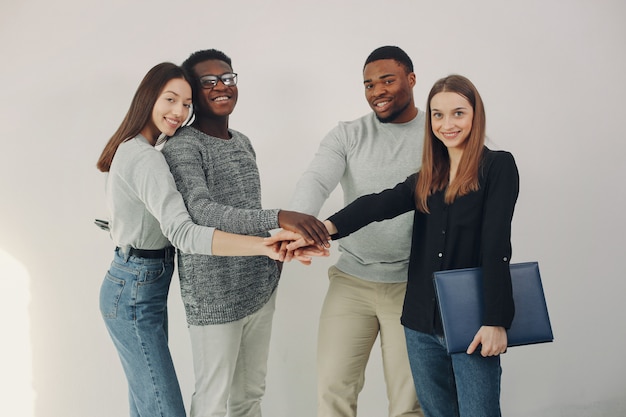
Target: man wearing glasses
(229, 301)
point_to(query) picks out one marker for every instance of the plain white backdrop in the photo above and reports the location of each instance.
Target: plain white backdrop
(551, 74)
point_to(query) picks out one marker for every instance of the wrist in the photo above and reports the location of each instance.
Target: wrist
(330, 227)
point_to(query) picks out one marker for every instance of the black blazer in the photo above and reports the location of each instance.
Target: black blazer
(475, 230)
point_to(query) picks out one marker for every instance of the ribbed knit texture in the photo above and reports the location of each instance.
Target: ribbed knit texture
(366, 156)
(220, 184)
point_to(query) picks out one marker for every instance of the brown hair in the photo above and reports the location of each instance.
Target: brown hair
(140, 109)
(435, 172)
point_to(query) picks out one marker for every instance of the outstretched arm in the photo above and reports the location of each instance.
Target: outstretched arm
(201, 187)
(322, 175)
(198, 188)
(229, 244)
(366, 209)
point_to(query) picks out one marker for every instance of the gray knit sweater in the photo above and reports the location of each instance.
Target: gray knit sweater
(220, 184)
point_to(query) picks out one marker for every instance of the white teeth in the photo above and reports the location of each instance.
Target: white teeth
(220, 98)
(382, 104)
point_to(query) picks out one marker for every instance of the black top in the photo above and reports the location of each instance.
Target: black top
(475, 230)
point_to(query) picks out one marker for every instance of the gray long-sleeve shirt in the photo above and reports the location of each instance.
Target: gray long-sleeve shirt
(145, 208)
(366, 156)
(220, 184)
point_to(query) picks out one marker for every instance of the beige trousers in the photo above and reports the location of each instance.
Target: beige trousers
(354, 313)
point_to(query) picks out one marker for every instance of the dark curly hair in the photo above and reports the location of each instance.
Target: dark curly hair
(201, 56)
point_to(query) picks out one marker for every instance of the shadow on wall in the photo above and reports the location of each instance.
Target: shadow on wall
(17, 396)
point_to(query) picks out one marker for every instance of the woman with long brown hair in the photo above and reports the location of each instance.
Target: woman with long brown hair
(148, 219)
(463, 197)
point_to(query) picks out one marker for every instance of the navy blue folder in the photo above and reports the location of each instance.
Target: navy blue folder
(460, 297)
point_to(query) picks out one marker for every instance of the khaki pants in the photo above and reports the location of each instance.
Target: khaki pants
(355, 311)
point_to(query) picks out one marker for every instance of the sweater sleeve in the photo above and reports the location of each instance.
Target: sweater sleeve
(375, 207)
(185, 163)
(501, 191)
(150, 177)
(323, 174)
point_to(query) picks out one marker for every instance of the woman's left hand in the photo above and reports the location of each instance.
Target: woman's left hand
(492, 339)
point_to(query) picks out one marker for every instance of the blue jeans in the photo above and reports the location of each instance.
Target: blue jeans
(133, 303)
(453, 385)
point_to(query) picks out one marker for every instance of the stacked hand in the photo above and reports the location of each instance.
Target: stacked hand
(307, 226)
(287, 245)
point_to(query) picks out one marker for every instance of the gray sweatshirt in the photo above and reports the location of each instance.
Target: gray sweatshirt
(220, 184)
(366, 156)
(146, 210)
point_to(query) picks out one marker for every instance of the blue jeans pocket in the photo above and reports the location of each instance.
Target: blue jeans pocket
(110, 294)
(150, 273)
(153, 286)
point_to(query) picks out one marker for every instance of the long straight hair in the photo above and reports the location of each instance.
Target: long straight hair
(435, 172)
(140, 110)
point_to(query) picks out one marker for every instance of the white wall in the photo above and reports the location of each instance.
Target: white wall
(551, 74)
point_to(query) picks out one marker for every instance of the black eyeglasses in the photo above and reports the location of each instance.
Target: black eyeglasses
(210, 81)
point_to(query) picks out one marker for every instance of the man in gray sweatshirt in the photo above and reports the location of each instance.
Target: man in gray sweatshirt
(367, 285)
(229, 301)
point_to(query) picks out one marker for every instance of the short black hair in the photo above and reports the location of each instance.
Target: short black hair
(205, 55)
(201, 56)
(391, 52)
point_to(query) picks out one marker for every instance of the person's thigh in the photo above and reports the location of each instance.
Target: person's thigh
(215, 350)
(478, 384)
(396, 368)
(248, 385)
(433, 374)
(133, 302)
(347, 331)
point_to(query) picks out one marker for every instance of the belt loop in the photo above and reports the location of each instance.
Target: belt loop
(125, 252)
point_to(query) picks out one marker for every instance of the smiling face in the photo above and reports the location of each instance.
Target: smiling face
(389, 91)
(220, 100)
(451, 117)
(170, 110)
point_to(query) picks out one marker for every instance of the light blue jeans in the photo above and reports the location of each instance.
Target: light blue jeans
(133, 303)
(457, 385)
